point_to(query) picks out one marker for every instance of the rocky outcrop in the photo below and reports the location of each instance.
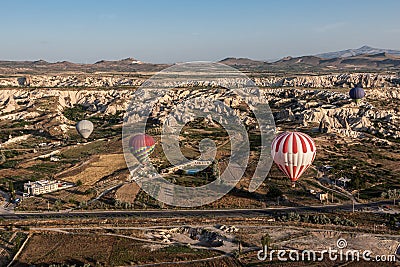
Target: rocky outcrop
(333, 112)
(351, 121)
(10, 105)
(328, 111)
(70, 81)
(284, 115)
(367, 80)
(105, 101)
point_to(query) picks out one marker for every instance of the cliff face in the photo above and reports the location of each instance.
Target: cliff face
(367, 80)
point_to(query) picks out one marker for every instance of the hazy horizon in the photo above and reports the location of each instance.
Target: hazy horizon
(178, 31)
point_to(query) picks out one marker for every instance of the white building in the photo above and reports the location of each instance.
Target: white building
(44, 186)
(54, 158)
(190, 164)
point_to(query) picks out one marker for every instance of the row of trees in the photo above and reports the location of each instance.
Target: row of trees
(391, 194)
(69, 265)
(315, 219)
(393, 220)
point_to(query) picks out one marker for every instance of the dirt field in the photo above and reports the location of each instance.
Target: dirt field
(98, 167)
(121, 246)
(100, 250)
(10, 242)
(97, 174)
(127, 193)
(307, 239)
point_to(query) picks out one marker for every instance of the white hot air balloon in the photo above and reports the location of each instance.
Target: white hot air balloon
(293, 152)
(84, 128)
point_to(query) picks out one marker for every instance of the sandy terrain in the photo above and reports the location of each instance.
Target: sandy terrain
(94, 171)
(127, 193)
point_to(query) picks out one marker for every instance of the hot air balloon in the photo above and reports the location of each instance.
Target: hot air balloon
(293, 152)
(141, 146)
(84, 128)
(357, 94)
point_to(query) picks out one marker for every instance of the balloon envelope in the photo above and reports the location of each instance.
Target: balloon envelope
(293, 152)
(357, 93)
(84, 128)
(141, 146)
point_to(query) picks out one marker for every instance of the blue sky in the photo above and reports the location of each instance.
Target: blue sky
(174, 31)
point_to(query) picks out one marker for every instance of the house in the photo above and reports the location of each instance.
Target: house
(189, 165)
(54, 158)
(44, 186)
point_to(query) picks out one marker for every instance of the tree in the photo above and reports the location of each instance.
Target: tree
(395, 194)
(215, 169)
(11, 188)
(57, 204)
(274, 192)
(265, 242)
(356, 183)
(79, 183)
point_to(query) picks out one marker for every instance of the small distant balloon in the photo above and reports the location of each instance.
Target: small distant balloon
(293, 153)
(84, 128)
(141, 146)
(357, 94)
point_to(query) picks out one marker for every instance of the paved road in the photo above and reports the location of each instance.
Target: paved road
(191, 213)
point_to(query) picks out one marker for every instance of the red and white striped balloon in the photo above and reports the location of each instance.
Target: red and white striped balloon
(293, 152)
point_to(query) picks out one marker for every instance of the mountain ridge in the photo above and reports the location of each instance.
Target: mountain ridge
(371, 59)
(364, 50)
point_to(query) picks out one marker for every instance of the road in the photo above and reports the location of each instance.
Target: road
(191, 213)
(5, 206)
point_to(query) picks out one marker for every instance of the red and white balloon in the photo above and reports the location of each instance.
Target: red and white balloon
(293, 152)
